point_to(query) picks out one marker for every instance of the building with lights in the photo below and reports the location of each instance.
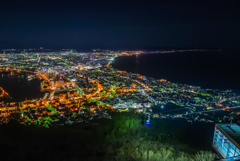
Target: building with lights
(226, 141)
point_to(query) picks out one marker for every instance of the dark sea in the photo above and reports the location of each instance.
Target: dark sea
(19, 88)
(207, 69)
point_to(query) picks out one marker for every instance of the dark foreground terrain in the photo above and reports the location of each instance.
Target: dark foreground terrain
(124, 137)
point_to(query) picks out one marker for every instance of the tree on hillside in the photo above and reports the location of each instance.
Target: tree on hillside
(205, 156)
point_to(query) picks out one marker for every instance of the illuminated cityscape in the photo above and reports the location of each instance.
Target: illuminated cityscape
(75, 83)
(121, 80)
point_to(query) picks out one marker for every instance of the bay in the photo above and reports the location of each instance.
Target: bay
(207, 69)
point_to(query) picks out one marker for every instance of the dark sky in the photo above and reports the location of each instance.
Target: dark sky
(120, 24)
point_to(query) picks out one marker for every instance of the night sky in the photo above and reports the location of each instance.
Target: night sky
(120, 24)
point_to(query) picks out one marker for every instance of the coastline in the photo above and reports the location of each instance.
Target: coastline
(206, 75)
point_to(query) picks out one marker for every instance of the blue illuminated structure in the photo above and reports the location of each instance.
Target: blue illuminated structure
(148, 120)
(226, 141)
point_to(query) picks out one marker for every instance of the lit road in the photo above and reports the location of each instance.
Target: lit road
(214, 110)
(4, 93)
